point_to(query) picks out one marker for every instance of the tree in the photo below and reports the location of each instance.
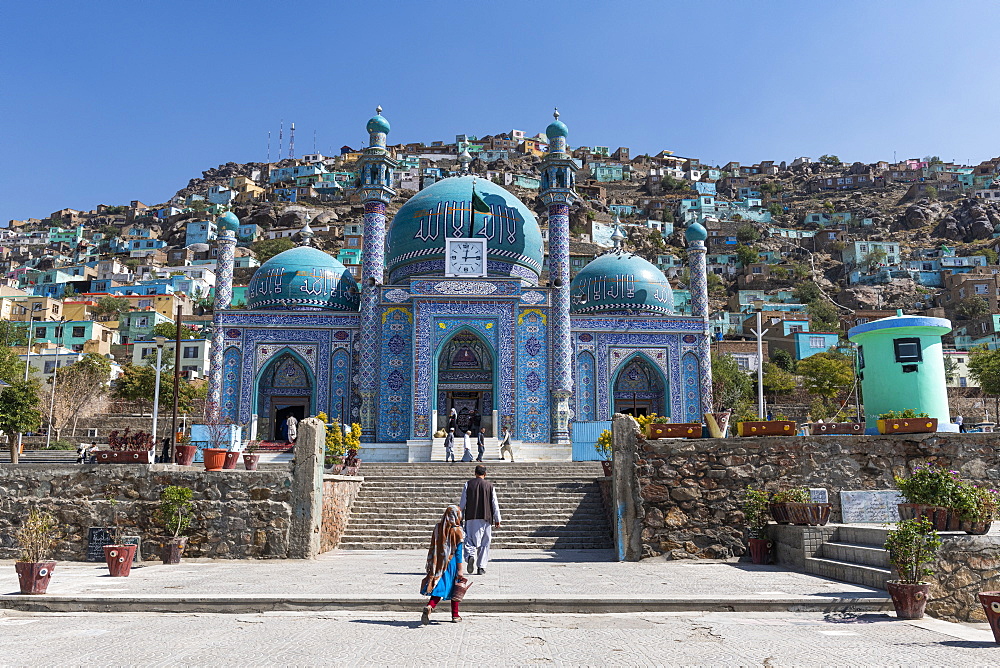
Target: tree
(777, 381)
(807, 292)
(771, 188)
(931, 192)
(801, 270)
(988, 253)
(826, 374)
(715, 286)
(747, 234)
(746, 255)
(198, 205)
(168, 330)
(265, 249)
(823, 316)
(775, 209)
(19, 412)
(984, 367)
(874, 259)
(972, 308)
(80, 388)
(732, 387)
(783, 360)
(138, 383)
(827, 159)
(11, 365)
(111, 308)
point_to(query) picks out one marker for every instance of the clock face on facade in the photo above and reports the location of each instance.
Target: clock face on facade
(466, 257)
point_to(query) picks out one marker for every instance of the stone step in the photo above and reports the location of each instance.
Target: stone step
(593, 515)
(492, 468)
(869, 576)
(854, 553)
(862, 535)
(435, 510)
(534, 545)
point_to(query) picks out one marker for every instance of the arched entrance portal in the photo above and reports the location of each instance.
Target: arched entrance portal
(284, 388)
(640, 389)
(465, 382)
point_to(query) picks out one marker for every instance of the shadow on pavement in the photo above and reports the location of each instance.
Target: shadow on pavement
(968, 644)
(387, 622)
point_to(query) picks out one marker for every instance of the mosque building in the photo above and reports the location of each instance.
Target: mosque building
(450, 313)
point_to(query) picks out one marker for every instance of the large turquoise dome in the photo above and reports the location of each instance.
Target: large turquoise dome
(416, 239)
(621, 282)
(303, 279)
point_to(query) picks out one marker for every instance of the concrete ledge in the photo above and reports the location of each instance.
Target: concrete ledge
(573, 605)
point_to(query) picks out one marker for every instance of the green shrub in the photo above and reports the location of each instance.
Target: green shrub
(903, 414)
(934, 486)
(176, 509)
(793, 495)
(61, 444)
(912, 544)
(755, 512)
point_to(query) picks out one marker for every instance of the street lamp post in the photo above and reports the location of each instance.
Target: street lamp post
(55, 376)
(27, 367)
(160, 340)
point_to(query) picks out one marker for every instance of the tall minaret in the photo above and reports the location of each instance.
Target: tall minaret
(376, 192)
(227, 224)
(696, 235)
(557, 193)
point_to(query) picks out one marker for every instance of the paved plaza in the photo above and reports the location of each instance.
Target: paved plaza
(392, 639)
(559, 581)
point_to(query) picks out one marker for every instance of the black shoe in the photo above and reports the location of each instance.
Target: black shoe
(471, 565)
(481, 571)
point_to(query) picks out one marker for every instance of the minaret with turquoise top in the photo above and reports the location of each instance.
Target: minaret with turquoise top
(375, 172)
(227, 224)
(556, 190)
(696, 234)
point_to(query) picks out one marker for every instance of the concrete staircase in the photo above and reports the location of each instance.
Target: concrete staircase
(543, 505)
(39, 456)
(848, 552)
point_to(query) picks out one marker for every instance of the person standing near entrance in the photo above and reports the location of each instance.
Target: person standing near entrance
(960, 421)
(449, 446)
(292, 429)
(481, 444)
(467, 448)
(482, 513)
(453, 419)
(505, 446)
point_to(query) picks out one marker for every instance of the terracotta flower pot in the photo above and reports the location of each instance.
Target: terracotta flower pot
(34, 577)
(250, 462)
(856, 428)
(717, 423)
(673, 430)
(907, 425)
(766, 428)
(184, 454)
(908, 599)
(607, 466)
(171, 549)
(232, 458)
(119, 559)
(991, 604)
(123, 457)
(215, 458)
(811, 514)
(760, 550)
(943, 518)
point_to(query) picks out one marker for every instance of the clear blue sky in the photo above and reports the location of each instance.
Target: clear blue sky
(106, 102)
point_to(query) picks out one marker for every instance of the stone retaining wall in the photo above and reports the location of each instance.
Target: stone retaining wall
(339, 492)
(965, 566)
(269, 513)
(681, 498)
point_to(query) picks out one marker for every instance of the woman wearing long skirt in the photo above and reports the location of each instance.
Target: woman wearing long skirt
(445, 563)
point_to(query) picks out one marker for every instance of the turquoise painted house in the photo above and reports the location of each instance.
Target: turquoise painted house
(901, 365)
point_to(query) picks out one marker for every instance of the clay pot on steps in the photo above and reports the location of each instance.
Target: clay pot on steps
(34, 577)
(215, 458)
(760, 550)
(606, 465)
(908, 599)
(250, 462)
(119, 559)
(185, 454)
(991, 604)
(171, 549)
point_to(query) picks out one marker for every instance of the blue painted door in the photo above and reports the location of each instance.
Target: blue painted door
(585, 438)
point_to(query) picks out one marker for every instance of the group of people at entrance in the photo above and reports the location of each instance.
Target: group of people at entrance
(476, 429)
(456, 552)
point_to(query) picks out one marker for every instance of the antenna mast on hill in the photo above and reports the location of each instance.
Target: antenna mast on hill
(314, 141)
(269, 146)
(281, 138)
(291, 142)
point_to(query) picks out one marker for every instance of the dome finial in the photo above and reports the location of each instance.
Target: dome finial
(306, 233)
(555, 113)
(378, 109)
(617, 235)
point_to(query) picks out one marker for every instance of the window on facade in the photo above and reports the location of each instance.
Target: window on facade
(145, 303)
(962, 381)
(795, 328)
(743, 363)
(190, 352)
(39, 332)
(907, 350)
(861, 357)
(78, 347)
(50, 366)
(817, 342)
(78, 332)
(37, 306)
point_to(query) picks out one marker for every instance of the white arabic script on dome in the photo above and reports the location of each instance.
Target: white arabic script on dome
(533, 297)
(396, 295)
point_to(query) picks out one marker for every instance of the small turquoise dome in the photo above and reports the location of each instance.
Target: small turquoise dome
(696, 232)
(416, 238)
(556, 129)
(621, 282)
(228, 221)
(303, 279)
(378, 123)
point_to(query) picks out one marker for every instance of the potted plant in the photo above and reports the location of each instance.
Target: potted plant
(118, 555)
(756, 516)
(792, 506)
(174, 515)
(906, 421)
(717, 423)
(990, 601)
(35, 538)
(947, 501)
(656, 427)
(911, 544)
(184, 452)
(250, 456)
(127, 448)
(603, 447)
(777, 427)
